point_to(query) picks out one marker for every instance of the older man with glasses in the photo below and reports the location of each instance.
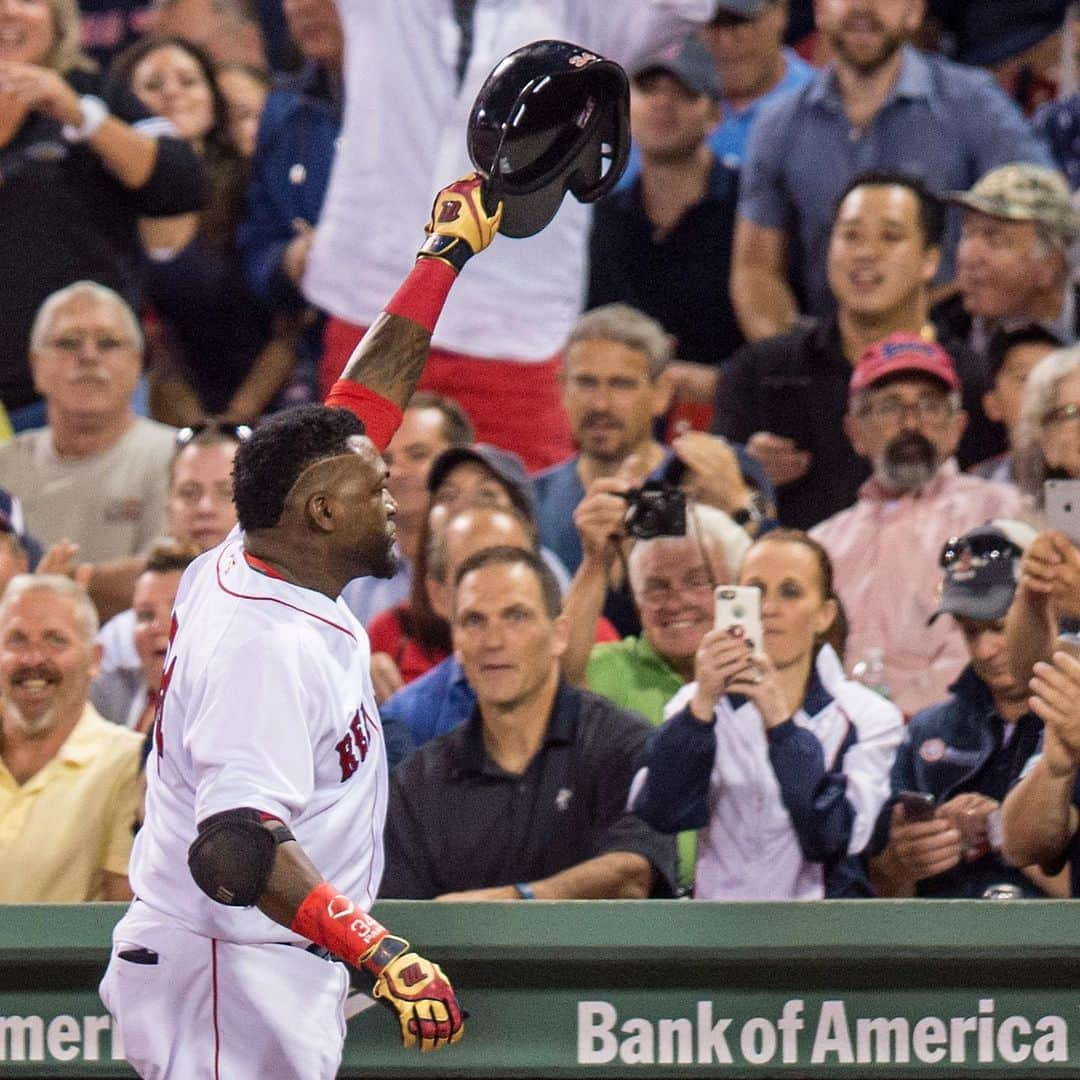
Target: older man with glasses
(96, 475)
(904, 417)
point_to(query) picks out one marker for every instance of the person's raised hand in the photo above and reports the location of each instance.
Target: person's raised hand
(781, 459)
(714, 476)
(41, 90)
(600, 517)
(722, 663)
(1055, 689)
(460, 224)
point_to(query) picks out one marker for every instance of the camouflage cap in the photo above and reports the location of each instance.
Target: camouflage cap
(1023, 192)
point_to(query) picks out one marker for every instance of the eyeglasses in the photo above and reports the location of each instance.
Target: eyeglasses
(983, 548)
(237, 432)
(74, 343)
(656, 593)
(1061, 414)
(933, 410)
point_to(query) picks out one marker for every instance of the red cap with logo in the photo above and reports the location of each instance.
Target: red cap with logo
(899, 353)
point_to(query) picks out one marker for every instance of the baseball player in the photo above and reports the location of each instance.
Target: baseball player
(266, 788)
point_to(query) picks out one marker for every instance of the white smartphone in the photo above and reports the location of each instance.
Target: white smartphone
(1062, 502)
(740, 606)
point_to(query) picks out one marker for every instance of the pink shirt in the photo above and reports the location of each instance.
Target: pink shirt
(885, 561)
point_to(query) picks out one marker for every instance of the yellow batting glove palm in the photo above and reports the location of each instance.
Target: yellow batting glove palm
(460, 224)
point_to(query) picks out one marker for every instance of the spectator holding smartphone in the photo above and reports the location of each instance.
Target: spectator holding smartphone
(968, 750)
(779, 759)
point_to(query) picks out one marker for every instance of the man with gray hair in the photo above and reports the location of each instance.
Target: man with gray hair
(97, 474)
(672, 579)
(1013, 260)
(615, 385)
(69, 783)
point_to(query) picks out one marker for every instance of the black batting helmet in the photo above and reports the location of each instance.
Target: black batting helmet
(552, 117)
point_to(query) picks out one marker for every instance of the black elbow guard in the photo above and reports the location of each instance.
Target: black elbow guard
(233, 855)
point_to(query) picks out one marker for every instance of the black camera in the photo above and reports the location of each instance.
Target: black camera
(658, 507)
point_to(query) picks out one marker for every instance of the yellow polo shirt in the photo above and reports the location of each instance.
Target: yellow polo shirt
(72, 819)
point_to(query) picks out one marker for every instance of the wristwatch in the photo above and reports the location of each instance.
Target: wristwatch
(755, 509)
(94, 113)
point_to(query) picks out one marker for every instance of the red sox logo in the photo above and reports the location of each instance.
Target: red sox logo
(353, 748)
(579, 60)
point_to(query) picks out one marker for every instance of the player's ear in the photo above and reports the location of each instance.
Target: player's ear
(319, 511)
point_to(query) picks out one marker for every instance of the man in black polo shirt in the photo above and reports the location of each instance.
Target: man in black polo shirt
(528, 797)
(786, 396)
(664, 244)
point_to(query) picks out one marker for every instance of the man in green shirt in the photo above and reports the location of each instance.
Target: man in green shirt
(672, 579)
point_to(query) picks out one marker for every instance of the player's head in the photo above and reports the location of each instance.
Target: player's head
(312, 477)
(48, 652)
(508, 632)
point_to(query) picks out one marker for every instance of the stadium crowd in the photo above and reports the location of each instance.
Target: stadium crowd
(822, 341)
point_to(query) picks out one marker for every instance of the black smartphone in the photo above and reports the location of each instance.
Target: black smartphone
(918, 805)
(786, 407)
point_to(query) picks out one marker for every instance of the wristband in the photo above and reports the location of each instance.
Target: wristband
(525, 890)
(94, 114)
(380, 416)
(421, 296)
(335, 922)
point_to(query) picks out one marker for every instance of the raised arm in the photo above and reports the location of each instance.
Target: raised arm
(390, 357)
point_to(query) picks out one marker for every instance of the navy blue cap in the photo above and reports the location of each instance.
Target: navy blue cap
(981, 570)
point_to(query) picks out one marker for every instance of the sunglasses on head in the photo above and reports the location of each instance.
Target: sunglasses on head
(239, 432)
(978, 547)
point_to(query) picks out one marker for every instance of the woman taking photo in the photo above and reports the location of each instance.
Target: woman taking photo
(218, 353)
(76, 174)
(772, 752)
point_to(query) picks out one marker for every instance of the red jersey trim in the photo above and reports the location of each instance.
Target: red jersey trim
(274, 600)
(261, 567)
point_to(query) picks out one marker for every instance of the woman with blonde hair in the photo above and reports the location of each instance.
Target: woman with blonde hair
(76, 173)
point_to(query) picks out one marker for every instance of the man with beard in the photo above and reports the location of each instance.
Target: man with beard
(879, 104)
(967, 751)
(904, 417)
(68, 778)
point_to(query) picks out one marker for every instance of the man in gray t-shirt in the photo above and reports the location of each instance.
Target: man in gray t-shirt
(97, 474)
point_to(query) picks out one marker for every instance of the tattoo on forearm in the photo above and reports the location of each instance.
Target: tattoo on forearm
(390, 358)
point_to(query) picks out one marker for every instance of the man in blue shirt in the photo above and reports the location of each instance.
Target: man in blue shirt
(880, 104)
(745, 38)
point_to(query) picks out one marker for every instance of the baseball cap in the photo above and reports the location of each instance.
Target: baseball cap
(900, 353)
(981, 569)
(745, 9)
(688, 61)
(1022, 192)
(508, 468)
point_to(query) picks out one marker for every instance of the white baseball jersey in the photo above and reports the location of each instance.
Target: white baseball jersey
(267, 703)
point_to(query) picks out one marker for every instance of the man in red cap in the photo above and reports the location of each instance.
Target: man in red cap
(904, 417)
